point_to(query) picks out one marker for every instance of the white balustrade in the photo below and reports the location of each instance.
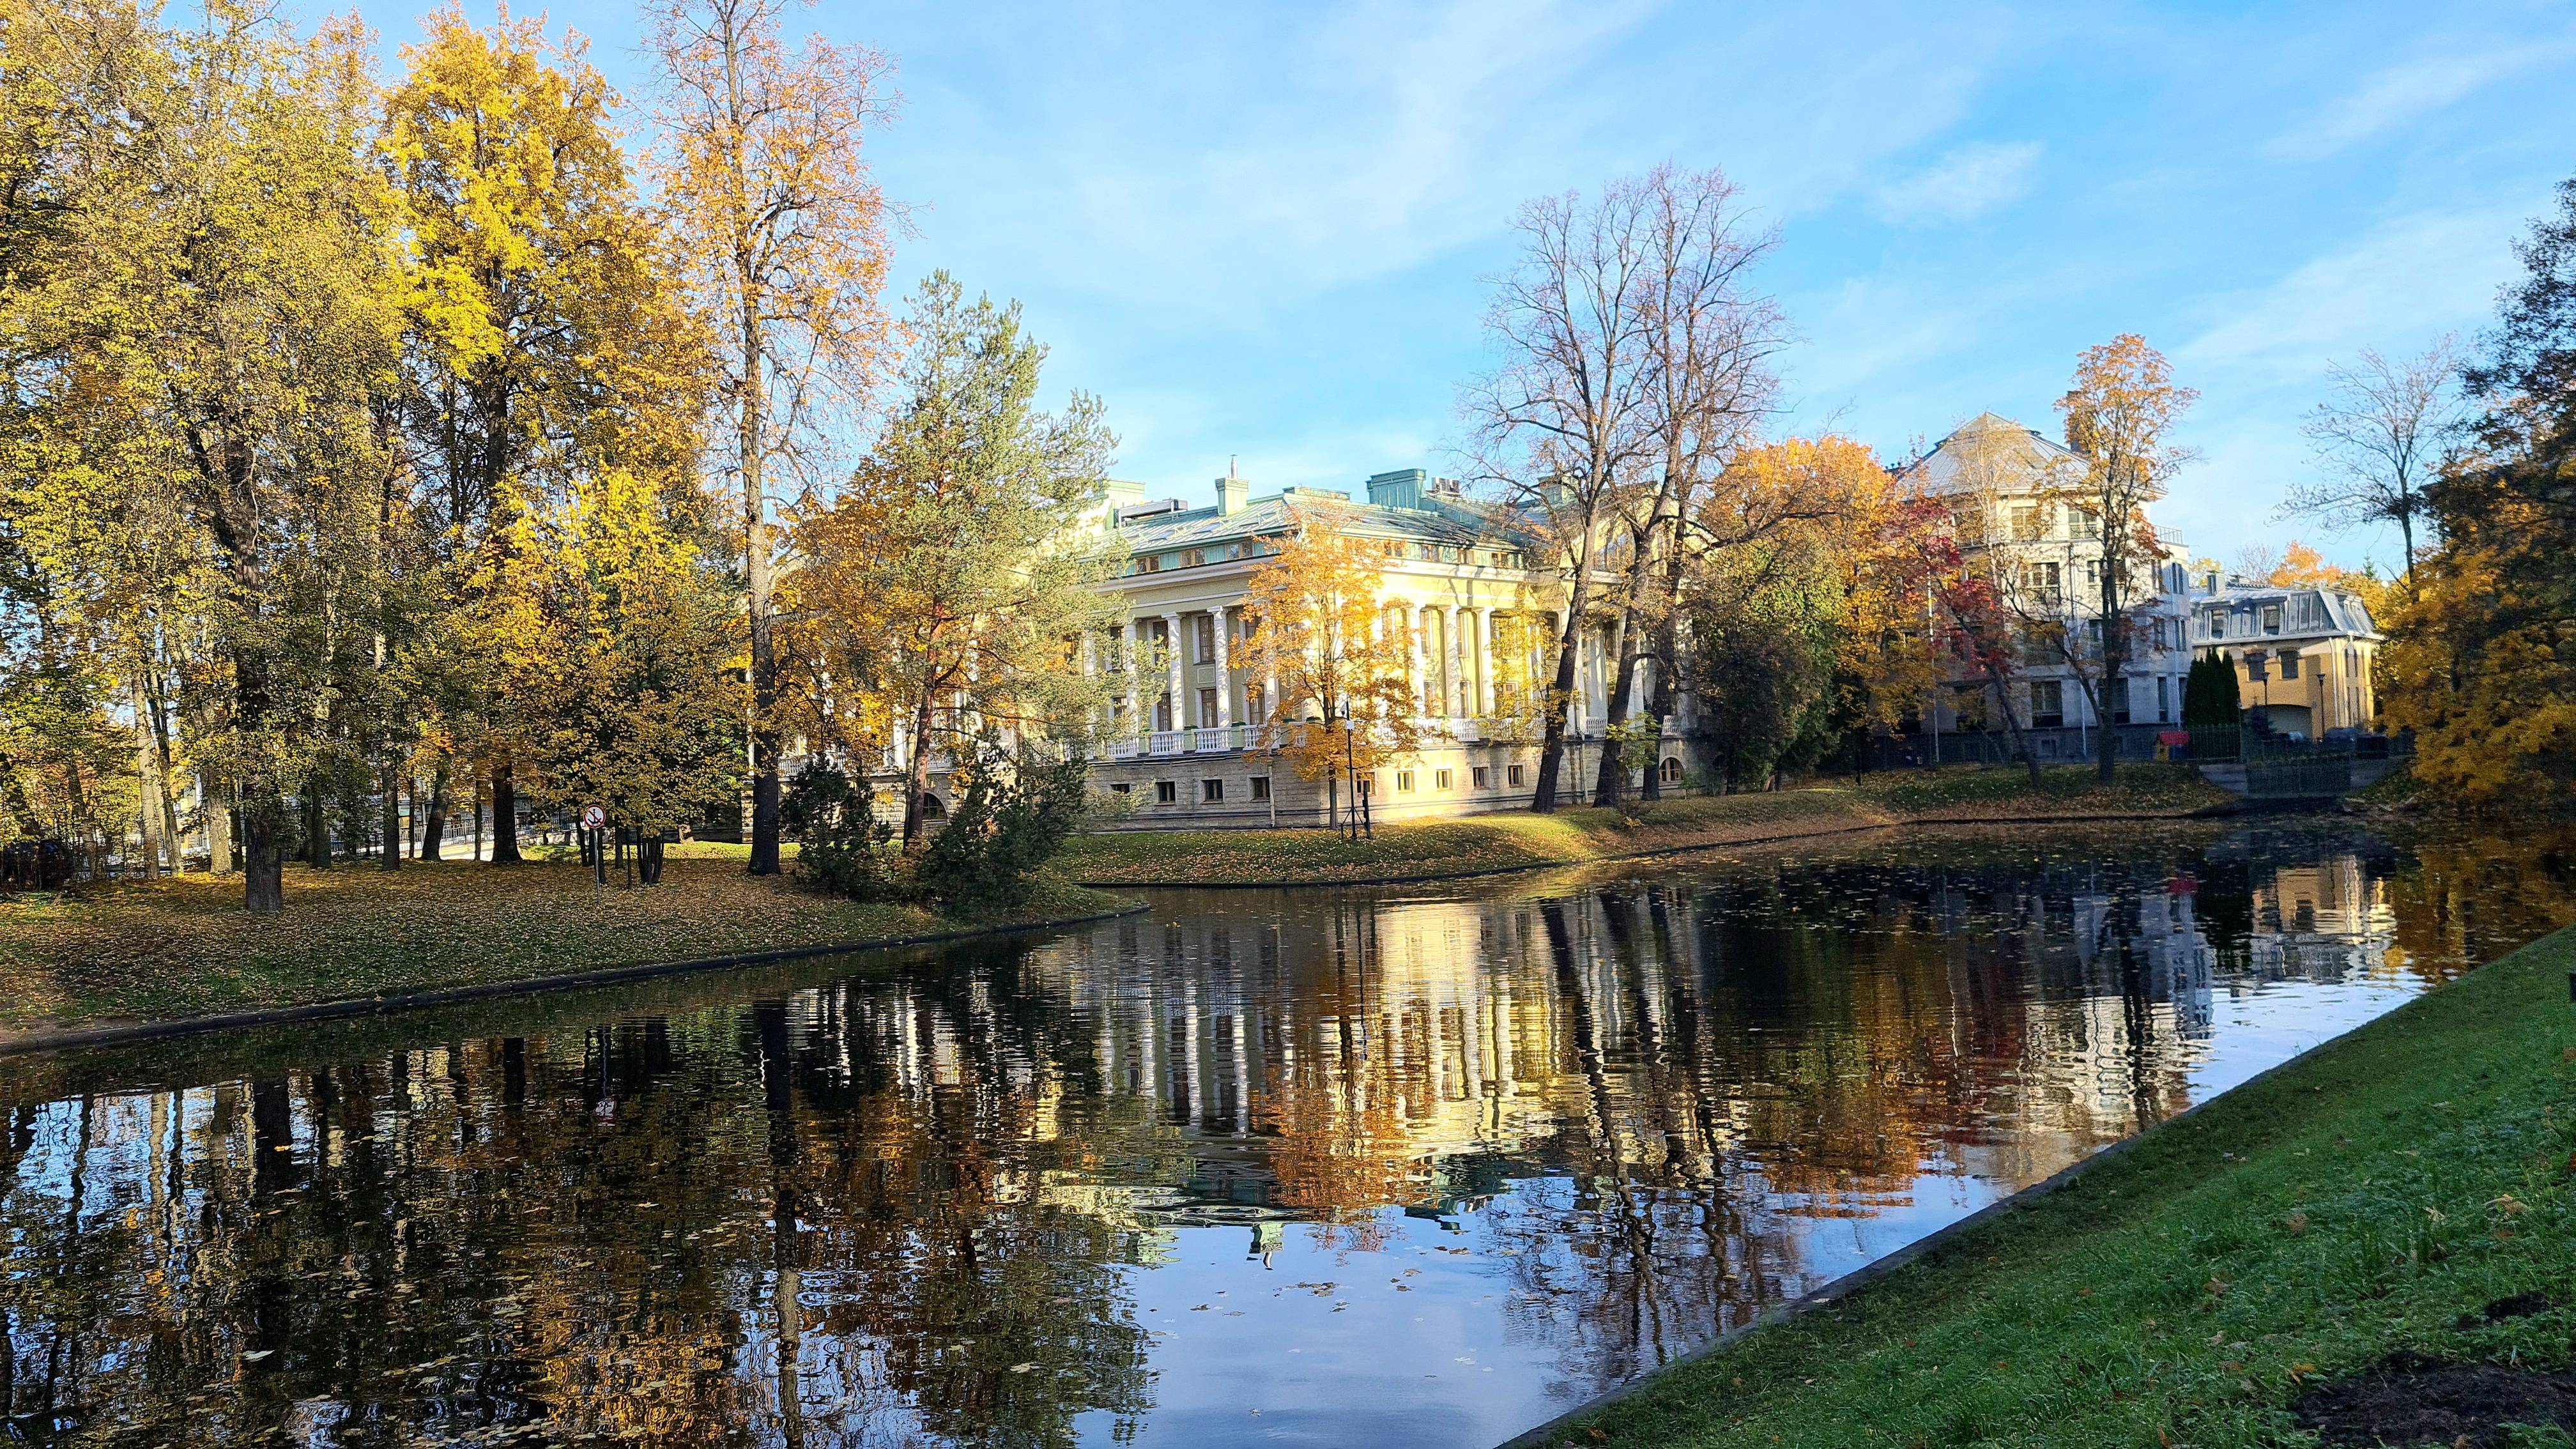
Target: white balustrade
(1166, 742)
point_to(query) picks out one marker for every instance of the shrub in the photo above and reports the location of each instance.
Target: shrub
(840, 844)
(1003, 827)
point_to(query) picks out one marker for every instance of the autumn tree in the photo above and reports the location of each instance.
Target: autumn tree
(1343, 705)
(951, 569)
(2379, 437)
(2481, 659)
(783, 233)
(211, 327)
(640, 709)
(546, 343)
(1562, 428)
(1708, 336)
(2120, 414)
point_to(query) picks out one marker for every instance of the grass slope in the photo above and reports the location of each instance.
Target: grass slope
(1505, 841)
(183, 946)
(2371, 1198)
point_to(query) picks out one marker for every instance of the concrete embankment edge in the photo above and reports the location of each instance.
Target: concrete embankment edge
(1557, 1431)
(2218, 812)
(30, 1043)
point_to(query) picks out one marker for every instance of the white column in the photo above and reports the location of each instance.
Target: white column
(1224, 674)
(1481, 644)
(1413, 636)
(1462, 683)
(1127, 647)
(1174, 652)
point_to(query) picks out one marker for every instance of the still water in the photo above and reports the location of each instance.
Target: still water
(1418, 1167)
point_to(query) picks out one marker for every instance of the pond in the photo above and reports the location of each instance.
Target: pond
(1423, 1166)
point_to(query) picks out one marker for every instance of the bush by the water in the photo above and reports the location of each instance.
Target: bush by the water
(1010, 818)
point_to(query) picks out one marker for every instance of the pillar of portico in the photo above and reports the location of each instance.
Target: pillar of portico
(1413, 668)
(1462, 684)
(1174, 669)
(1224, 673)
(1483, 644)
(1127, 649)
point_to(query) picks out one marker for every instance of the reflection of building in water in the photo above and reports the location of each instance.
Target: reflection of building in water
(2326, 920)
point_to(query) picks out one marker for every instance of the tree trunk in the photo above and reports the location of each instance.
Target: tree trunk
(2012, 722)
(1659, 697)
(148, 812)
(505, 815)
(433, 827)
(390, 850)
(263, 872)
(156, 711)
(1610, 780)
(216, 803)
(316, 825)
(1551, 760)
(916, 771)
(2115, 658)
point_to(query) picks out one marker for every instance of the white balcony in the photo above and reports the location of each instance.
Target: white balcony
(1214, 740)
(1124, 749)
(1165, 742)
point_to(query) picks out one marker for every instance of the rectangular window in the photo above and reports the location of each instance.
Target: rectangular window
(2271, 618)
(2257, 668)
(1120, 789)
(1192, 557)
(1368, 786)
(1254, 705)
(1440, 779)
(1261, 787)
(1404, 781)
(2026, 525)
(2164, 700)
(2047, 704)
(1211, 790)
(1167, 792)
(1207, 709)
(2218, 623)
(2289, 665)
(1476, 777)
(1206, 640)
(1512, 774)
(1147, 563)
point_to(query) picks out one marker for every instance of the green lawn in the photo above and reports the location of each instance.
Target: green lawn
(183, 946)
(2380, 1196)
(1518, 839)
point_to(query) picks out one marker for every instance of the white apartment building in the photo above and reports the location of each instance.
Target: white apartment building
(2003, 480)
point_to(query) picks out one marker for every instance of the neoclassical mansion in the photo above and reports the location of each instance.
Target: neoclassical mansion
(1183, 741)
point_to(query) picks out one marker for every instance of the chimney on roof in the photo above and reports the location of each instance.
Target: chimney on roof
(1399, 489)
(1233, 491)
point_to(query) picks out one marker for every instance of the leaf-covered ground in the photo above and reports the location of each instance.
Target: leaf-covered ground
(2410, 1189)
(1514, 839)
(183, 946)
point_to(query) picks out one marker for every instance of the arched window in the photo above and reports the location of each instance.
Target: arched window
(1671, 770)
(931, 809)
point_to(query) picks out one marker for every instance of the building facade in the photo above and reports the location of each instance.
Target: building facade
(2009, 491)
(1182, 742)
(2302, 655)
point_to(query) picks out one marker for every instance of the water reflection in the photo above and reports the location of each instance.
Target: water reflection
(1322, 1167)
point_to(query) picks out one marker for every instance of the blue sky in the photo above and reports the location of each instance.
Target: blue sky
(1262, 230)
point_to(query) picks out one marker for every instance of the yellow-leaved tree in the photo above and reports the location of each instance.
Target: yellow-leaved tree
(784, 236)
(1343, 703)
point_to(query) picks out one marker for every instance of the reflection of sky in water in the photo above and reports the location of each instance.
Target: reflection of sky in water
(1321, 1167)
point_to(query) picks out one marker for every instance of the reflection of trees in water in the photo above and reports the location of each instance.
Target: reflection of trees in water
(812, 1222)
(908, 1206)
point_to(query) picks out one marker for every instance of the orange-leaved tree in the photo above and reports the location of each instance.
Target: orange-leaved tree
(785, 232)
(2120, 415)
(1342, 702)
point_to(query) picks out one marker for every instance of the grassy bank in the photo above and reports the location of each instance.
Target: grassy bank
(1518, 839)
(2407, 1191)
(182, 946)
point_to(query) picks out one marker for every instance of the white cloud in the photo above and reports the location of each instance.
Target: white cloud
(2414, 277)
(2403, 93)
(1966, 183)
